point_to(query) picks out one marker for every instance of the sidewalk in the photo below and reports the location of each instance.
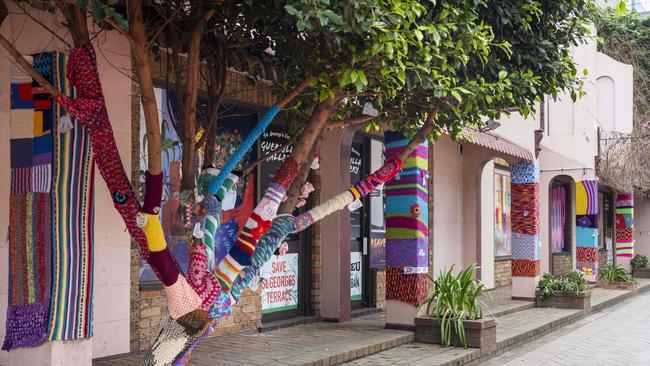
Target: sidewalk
(325, 343)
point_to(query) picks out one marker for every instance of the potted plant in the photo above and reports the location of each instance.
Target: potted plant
(454, 314)
(568, 291)
(640, 266)
(615, 277)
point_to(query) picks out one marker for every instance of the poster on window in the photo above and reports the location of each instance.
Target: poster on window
(502, 228)
(356, 267)
(279, 283)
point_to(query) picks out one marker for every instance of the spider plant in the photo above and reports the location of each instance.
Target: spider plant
(453, 299)
(616, 273)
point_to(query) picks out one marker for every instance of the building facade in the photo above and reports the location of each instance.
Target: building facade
(480, 208)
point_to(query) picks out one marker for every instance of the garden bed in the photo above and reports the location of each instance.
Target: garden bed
(481, 333)
(617, 285)
(641, 272)
(566, 300)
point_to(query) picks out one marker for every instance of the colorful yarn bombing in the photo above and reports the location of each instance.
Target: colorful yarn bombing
(587, 227)
(625, 225)
(50, 218)
(257, 225)
(587, 197)
(248, 142)
(407, 249)
(525, 219)
(89, 108)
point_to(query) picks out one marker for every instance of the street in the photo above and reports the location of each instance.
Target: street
(616, 336)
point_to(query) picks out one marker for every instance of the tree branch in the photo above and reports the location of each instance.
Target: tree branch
(294, 93)
(419, 137)
(26, 66)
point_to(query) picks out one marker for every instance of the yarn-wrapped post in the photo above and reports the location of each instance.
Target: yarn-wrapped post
(587, 228)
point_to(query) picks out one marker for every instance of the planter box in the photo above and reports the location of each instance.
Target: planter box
(641, 272)
(480, 333)
(615, 285)
(566, 300)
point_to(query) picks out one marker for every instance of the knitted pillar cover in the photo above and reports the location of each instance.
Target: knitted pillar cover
(525, 219)
(587, 228)
(625, 225)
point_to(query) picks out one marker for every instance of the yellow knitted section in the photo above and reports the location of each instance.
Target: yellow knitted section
(154, 233)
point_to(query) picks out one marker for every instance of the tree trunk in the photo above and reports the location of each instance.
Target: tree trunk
(303, 147)
(301, 178)
(140, 54)
(216, 78)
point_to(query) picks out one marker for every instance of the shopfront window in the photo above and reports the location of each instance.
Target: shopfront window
(560, 217)
(502, 202)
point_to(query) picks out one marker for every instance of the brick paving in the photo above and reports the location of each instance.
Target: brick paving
(365, 341)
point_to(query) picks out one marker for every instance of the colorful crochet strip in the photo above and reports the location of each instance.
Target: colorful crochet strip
(526, 245)
(624, 225)
(407, 248)
(89, 108)
(587, 227)
(257, 225)
(50, 215)
(243, 148)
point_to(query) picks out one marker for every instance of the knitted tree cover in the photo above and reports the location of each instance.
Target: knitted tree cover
(89, 108)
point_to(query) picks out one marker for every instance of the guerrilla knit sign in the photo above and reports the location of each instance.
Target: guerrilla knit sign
(407, 243)
(587, 227)
(50, 215)
(625, 225)
(525, 219)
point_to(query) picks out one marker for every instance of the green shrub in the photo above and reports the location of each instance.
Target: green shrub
(572, 282)
(639, 261)
(453, 299)
(614, 272)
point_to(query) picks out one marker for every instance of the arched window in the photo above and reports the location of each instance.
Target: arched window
(502, 202)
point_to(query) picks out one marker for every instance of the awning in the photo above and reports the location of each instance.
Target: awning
(501, 144)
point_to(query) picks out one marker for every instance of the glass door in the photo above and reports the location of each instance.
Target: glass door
(359, 233)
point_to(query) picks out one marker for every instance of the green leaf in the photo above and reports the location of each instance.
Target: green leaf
(503, 74)
(324, 94)
(98, 11)
(621, 7)
(291, 10)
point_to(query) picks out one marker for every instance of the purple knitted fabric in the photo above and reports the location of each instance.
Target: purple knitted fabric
(26, 325)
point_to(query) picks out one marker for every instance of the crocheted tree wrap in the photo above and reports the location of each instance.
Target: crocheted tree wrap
(210, 224)
(181, 298)
(177, 337)
(200, 278)
(257, 225)
(152, 193)
(282, 226)
(89, 108)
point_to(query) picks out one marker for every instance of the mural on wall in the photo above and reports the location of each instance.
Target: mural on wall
(502, 215)
(407, 243)
(525, 219)
(234, 125)
(587, 227)
(625, 225)
(50, 214)
(558, 218)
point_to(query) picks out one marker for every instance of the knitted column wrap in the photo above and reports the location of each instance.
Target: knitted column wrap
(525, 219)
(26, 325)
(257, 225)
(624, 225)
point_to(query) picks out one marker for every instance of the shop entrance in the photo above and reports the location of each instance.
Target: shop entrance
(360, 291)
